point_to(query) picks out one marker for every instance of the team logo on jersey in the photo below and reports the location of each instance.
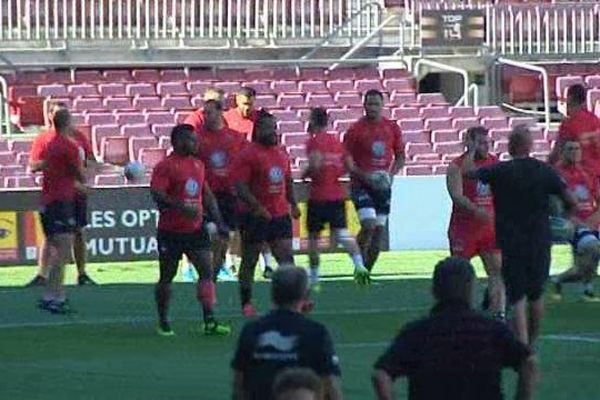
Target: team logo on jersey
(581, 193)
(483, 189)
(378, 148)
(276, 175)
(218, 159)
(192, 188)
(277, 341)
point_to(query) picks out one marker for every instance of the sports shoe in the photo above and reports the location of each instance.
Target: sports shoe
(214, 328)
(248, 310)
(56, 307)
(556, 294)
(84, 279)
(589, 297)
(164, 329)
(268, 272)
(362, 276)
(38, 280)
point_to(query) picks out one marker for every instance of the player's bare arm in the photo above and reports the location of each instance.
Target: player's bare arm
(383, 385)
(399, 161)
(37, 165)
(210, 203)
(291, 198)
(454, 184)
(247, 197)
(163, 200)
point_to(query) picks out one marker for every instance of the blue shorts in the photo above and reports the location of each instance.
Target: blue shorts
(371, 204)
(58, 217)
(583, 236)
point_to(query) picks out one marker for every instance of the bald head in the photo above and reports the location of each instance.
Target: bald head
(520, 142)
(289, 286)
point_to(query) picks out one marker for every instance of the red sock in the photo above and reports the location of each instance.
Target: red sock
(207, 293)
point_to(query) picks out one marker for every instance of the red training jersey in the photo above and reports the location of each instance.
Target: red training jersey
(326, 185)
(240, 125)
(217, 151)
(583, 186)
(39, 144)
(584, 127)
(182, 178)
(477, 192)
(266, 171)
(61, 154)
(374, 145)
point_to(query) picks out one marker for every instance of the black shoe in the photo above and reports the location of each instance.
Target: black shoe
(38, 280)
(56, 307)
(84, 279)
(268, 272)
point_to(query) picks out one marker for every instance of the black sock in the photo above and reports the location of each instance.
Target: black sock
(162, 296)
(245, 295)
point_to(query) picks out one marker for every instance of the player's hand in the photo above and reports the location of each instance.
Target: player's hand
(190, 211)
(483, 216)
(295, 212)
(362, 276)
(82, 188)
(262, 212)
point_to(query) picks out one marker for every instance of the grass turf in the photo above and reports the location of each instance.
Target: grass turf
(109, 348)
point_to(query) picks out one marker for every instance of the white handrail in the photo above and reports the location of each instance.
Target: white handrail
(4, 110)
(444, 67)
(544, 73)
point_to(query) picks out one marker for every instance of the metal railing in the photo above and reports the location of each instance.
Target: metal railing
(49, 20)
(546, 89)
(5, 126)
(464, 99)
(528, 30)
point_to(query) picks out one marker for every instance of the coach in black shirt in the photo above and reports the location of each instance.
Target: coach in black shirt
(282, 339)
(455, 354)
(521, 189)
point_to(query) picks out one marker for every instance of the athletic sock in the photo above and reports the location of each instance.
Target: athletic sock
(163, 296)
(357, 260)
(245, 295)
(314, 274)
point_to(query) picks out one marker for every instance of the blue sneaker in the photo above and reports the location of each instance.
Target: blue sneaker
(189, 274)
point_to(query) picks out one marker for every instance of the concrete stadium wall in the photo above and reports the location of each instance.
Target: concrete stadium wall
(420, 213)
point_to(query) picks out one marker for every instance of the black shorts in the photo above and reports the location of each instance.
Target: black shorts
(326, 212)
(81, 212)
(228, 205)
(380, 201)
(259, 230)
(173, 245)
(525, 271)
(58, 217)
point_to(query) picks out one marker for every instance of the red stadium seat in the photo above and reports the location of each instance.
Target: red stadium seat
(159, 117)
(12, 170)
(445, 135)
(145, 75)
(20, 146)
(83, 104)
(431, 98)
(312, 87)
(294, 139)
(438, 124)
(81, 90)
(340, 85)
(418, 170)
(229, 87)
(100, 118)
(348, 99)
(87, 76)
(164, 142)
(102, 131)
(291, 100)
(563, 83)
(7, 157)
(528, 121)
(136, 130)
(290, 126)
(490, 112)
(173, 75)
(138, 143)
(284, 86)
(440, 169)
(501, 146)
(117, 75)
(449, 147)
(115, 150)
(494, 123)
(319, 100)
(261, 87)
(171, 88)
(118, 103)
(399, 85)
(418, 148)
(23, 181)
(592, 81)
(403, 98)
(465, 123)
(363, 85)
(312, 74)
(140, 89)
(147, 103)
(176, 102)
(151, 156)
(414, 124)
(415, 137)
(462, 112)
(112, 89)
(433, 112)
(267, 101)
(162, 129)
(285, 115)
(524, 89)
(500, 134)
(130, 118)
(198, 88)
(53, 90)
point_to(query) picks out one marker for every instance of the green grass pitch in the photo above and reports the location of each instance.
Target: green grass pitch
(109, 350)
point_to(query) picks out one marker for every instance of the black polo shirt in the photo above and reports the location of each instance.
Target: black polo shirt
(282, 339)
(453, 354)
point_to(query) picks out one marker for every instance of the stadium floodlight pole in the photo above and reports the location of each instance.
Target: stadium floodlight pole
(544, 74)
(4, 111)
